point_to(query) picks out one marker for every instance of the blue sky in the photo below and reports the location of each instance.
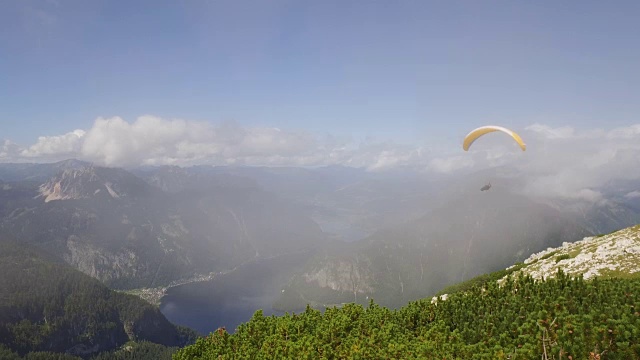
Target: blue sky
(416, 72)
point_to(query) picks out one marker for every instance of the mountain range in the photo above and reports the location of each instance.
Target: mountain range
(392, 236)
(128, 232)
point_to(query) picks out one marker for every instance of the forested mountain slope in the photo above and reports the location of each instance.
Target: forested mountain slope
(48, 306)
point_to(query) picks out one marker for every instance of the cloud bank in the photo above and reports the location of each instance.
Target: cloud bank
(559, 161)
(151, 140)
(572, 163)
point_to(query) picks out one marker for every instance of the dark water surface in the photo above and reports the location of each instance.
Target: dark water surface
(231, 299)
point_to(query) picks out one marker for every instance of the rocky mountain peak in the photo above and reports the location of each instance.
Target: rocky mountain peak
(90, 181)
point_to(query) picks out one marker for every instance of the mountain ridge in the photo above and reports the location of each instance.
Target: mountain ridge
(115, 226)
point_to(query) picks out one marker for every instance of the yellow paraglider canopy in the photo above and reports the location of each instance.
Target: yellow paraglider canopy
(475, 134)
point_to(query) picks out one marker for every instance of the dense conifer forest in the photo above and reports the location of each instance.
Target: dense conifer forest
(133, 351)
(558, 318)
(47, 306)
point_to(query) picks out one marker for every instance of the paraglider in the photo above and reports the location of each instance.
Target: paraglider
(475, 134)
(483, 130)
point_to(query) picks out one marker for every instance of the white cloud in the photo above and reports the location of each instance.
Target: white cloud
(559, 161)
(379, 156)
(573, 163)
(548, 132)
(151, 140)
(67, 144)
(633, 194)
(628, 132)
(9, 150)
(450, 164)
(589, 195)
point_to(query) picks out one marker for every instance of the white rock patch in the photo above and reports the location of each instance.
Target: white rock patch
(591, 256)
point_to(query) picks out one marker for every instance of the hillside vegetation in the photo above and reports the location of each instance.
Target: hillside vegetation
(563, 317)
(50, 307)
(131, 351)
(578, 301)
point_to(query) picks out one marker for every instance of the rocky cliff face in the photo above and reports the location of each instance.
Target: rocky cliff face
(72, 184)
(102, 264)
(351, 274)
(92, 182)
